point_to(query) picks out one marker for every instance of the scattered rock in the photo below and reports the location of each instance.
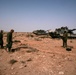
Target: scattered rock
(12, 68)
(25, 66)
(29, 51)
(12, 61)
(23, 62)
(19, 57)
(13, 73)
(32, 50)
(15, 41)
(29, 59)
(21, 66)
(18, 48)
(68, 49)
(61, 73)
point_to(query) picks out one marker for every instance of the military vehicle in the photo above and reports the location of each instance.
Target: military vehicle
(40, 32)
(58, 33)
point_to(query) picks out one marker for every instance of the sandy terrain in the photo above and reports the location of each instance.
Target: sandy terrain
(38, 55)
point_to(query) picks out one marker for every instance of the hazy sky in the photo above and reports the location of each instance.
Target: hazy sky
(29, 15)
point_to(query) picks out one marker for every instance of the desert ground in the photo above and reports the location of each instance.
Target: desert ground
(37, 55)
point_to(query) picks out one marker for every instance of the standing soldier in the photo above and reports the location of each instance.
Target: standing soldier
(65, 36)
(9, 40)
(1, 38)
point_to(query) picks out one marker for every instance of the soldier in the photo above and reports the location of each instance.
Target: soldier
(1, 38)
(9, 40)
(65, 36)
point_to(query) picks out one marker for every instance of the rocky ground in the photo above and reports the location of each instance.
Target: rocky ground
(38, 55)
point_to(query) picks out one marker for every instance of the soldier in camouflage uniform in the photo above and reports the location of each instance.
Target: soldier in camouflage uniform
(1, 38)
(9, 40)
(65, 36)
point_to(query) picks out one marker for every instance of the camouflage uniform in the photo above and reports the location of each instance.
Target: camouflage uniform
(9, 41)
(65, 36)
(1, 39)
